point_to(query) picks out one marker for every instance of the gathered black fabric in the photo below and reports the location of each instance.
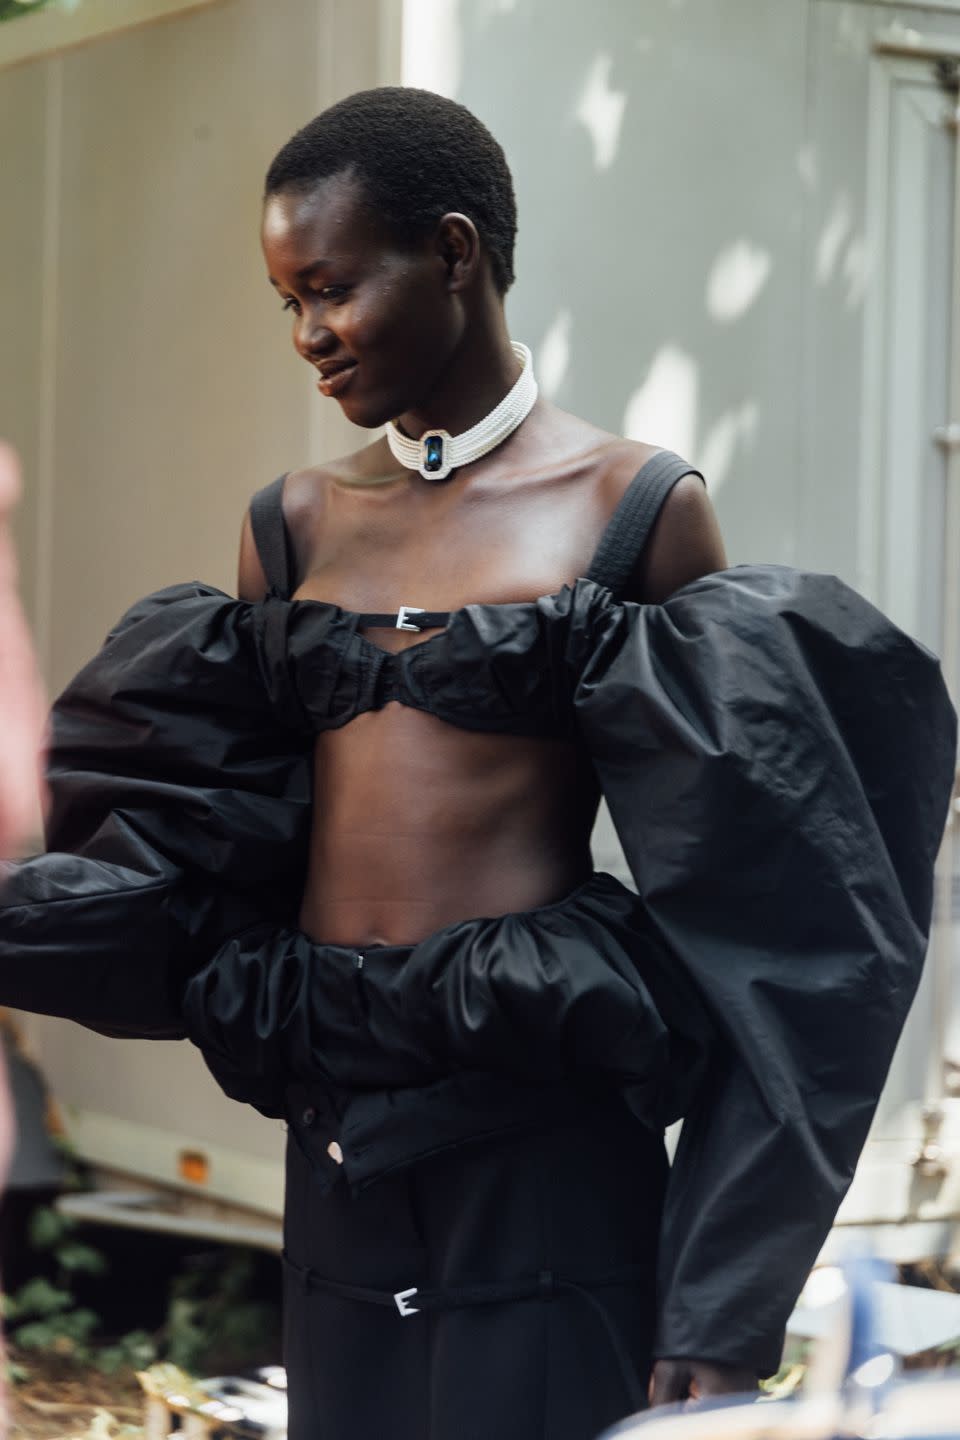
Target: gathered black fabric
(179, 814)
(494, 668)
(580, 987)
(777, 758)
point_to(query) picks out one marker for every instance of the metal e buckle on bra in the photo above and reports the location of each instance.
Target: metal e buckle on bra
(402, 624)
(408, 617)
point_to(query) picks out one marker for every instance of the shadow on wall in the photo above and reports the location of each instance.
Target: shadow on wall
(673, 224)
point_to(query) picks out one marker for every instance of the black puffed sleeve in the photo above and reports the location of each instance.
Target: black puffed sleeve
(777, 758)
(179, 813)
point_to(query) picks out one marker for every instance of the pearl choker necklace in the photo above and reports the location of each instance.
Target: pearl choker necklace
(437, 452)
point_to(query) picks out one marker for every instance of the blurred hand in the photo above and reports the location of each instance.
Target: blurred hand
(674, 1380)
(22, 705)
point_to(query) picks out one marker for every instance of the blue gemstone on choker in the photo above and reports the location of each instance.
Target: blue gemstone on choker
(433, 453)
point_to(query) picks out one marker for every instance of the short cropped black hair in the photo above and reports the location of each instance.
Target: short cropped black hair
(418, 156)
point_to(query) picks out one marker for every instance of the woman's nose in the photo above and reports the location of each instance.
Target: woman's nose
(314, 341)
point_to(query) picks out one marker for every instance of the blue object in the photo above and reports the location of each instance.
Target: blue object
(433, 453)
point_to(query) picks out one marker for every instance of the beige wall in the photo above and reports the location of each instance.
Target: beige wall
(147, 377)
(146, 371)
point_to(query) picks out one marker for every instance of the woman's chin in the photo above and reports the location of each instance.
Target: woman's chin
(366, 413)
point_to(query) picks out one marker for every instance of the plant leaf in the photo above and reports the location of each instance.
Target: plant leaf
(39, 1297)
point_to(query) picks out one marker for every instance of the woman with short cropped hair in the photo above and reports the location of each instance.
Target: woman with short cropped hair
(338, 832)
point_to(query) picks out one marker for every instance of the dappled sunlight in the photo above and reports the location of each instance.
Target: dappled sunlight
(491, 9)
(808, 166)
(666, 408)
(842, 252)
(600, 111)
(727, 436)
(833, 236)
(736, 278)
(664, 295)
(856, 271)
(553, 354)
(665, 404)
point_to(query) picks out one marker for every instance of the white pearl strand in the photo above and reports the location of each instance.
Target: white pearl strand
(481, 438)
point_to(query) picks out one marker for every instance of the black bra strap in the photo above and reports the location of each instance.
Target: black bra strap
(270, 536)
(408, 617)
(616, 558)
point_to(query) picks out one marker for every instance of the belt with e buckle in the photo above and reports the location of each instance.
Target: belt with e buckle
(542, 1286)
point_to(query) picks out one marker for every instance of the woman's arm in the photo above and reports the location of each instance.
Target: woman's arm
(777, 760)
(684, 544)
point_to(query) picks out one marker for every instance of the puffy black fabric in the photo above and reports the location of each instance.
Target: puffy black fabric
(777, 758)
(580, 987)
(495, 668)
(179, 813)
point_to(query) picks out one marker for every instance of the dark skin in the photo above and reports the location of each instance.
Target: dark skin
(423, 824)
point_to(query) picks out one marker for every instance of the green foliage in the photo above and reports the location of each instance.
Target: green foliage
(67, 1332)
(133, 1351)
(45, 1316)
(53, 1231)
(48, 1227)
(81, 1259)
(187, 1337)
(37, 1298)
(11, 9)
(212, 1322)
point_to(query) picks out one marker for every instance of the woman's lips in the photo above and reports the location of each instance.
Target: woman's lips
(336, 383)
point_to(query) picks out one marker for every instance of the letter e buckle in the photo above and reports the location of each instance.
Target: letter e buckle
(402, 614)
(401, 1298)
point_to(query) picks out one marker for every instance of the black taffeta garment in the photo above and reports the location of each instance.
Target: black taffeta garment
(777, 758)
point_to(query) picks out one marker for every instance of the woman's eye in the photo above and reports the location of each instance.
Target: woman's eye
(329, 295)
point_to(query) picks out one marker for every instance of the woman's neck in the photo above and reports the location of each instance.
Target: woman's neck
(481, 371)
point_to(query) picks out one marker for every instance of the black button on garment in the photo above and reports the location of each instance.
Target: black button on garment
(309, 1115)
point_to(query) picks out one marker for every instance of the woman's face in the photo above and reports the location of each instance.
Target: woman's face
(376, 319)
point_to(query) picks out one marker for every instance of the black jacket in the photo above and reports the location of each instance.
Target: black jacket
(777, 758)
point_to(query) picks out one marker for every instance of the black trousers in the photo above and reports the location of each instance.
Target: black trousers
(533, 1254)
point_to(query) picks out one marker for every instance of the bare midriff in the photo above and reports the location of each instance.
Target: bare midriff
(418, 824)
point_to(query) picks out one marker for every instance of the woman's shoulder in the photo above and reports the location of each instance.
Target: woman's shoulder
(559, 437)
(684, 541)
(609, 461)
(306, 490)
(304, 497)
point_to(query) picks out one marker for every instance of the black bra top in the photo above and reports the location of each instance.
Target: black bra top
(490, 667)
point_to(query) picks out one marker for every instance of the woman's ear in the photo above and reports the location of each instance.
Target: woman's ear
(458, 246)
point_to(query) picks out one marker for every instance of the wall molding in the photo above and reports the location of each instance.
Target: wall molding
(941, 7)
(916, 45)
